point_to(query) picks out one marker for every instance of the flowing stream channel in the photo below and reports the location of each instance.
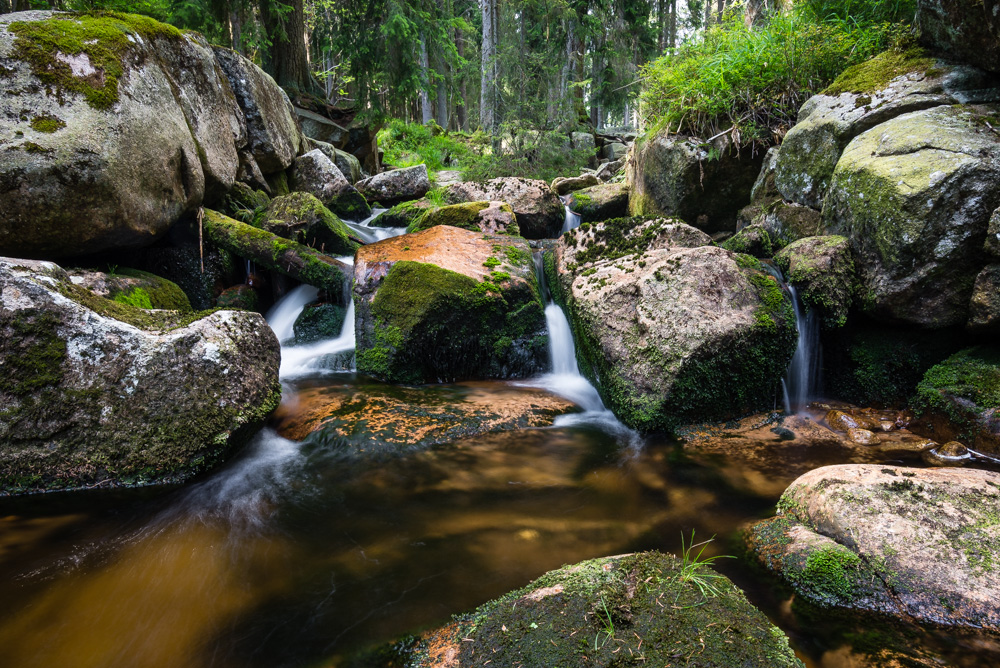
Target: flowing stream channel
(297, 553)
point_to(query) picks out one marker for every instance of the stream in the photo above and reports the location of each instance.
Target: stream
(298, 553)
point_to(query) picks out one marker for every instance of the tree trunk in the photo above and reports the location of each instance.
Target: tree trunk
(461, 113)
(236, 29)
(672, 39)
(488, 91)
(425, 99)
(289, 64)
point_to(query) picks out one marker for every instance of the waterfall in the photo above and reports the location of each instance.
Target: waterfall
(572, 218)
(282, 315)
(369, 234)
(802, 379)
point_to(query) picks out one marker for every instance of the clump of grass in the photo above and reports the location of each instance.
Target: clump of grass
(694, 567)
(751, 81)
(408, 144)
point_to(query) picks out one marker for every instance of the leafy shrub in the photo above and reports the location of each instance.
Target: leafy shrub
(406, 144)
(752, 81)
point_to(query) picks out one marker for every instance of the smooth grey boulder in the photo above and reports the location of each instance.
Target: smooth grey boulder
(600, 202)
(398, 185)
(316, 174)
(564, 185)
(918, 544)
(669, 329)
(540, 214)
(96, 392)
(915, 195)
(348, 165)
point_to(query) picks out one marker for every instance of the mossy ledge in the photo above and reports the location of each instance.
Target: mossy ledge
(104, 39)
(873, 75)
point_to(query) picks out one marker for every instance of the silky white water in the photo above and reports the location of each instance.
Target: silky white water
(801, 381)
(370, 234)
(572, 219)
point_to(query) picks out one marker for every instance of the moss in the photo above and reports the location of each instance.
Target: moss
(430, 323)
(403, 215)
(319, 321)
(137, 317)
(875, 74)
(34, 355)
(32, 147)
(823, 270)
(162, 293)
(963, 387)
(753, 240)
(464, 216)
(47, 124)
(105, 38)
(831, 572)
(136, 297)
(318, 226)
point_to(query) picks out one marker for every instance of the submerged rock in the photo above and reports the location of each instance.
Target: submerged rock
(671, 330)
(448, 304)
(600, 202)
(539, 212)
(633, 608)
(960, 399)
(678, 176)
(489, 217)
(94, 392)
(911, 543)
(396, 186)
(822, 268)
(915, 195)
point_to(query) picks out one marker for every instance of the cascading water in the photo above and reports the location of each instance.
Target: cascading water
(282, 315)
(572, 219)
(801, 381)
(370, 234)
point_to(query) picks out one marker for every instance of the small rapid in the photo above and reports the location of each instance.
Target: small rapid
(369, 234)
(802, 378)
(572, 219)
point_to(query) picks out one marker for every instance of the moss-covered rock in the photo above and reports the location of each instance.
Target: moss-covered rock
(242, 297)
(316, 174)
(540, 214)
(446, 304)
(133, 287)
(318, 321)
(488, 217)
(752, 240)
(303, 218)
(95, 391)
(984, 307)
(864, 96)
(600, 202)
(668, 329)
(822, 268)
(966, 30)
(564, 185)
(634, 609)
(911, 543)
(403, 215)
(959, 399)
(915, 195)
(244, 203)
(679, 176)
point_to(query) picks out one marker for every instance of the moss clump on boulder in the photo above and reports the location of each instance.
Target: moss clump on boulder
(403, 215)
(960, 398)
(632, 609)
(875, 74)
(47, 124)
(752, 240)
(823, 269)
(98, 41)
(489, 217)
(302, 218)
(600, 202)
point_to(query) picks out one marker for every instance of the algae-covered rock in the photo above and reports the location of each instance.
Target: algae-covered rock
(823, 270)
(911, 543)
(376, 419)
(489, 217)
(317, 175)
(753, 240)
(984, 307)
(93, 391)
(915, 195)
(600, 202)
(966, 30)
(668, 329)
(540, 214)
(864, 96)
(616, 611)
(319, 321)
(133, 287)
(303, 218)
(446, 304)
(396, 186)
(705, 186)
(959, 399)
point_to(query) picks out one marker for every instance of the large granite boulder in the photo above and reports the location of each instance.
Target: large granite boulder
(600, 202)
(303, 218)
(966, 30)
(915, 195)
(668, 328)
(918, 544)
(316, 174)
(564, 185)
(398, 185)
(863, 97)
(822, 269)
(959, 399)
(447, 304)
(97, 392)
(704, 186)
(489, 217)
(539, 212)
(348, 165)
(633, 609)
(133, 287)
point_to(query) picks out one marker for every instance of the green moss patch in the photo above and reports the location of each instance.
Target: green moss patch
(874, 75)
(47, 124)
(964, 387)
(33, 354)
(103, 39)
(129, 313)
